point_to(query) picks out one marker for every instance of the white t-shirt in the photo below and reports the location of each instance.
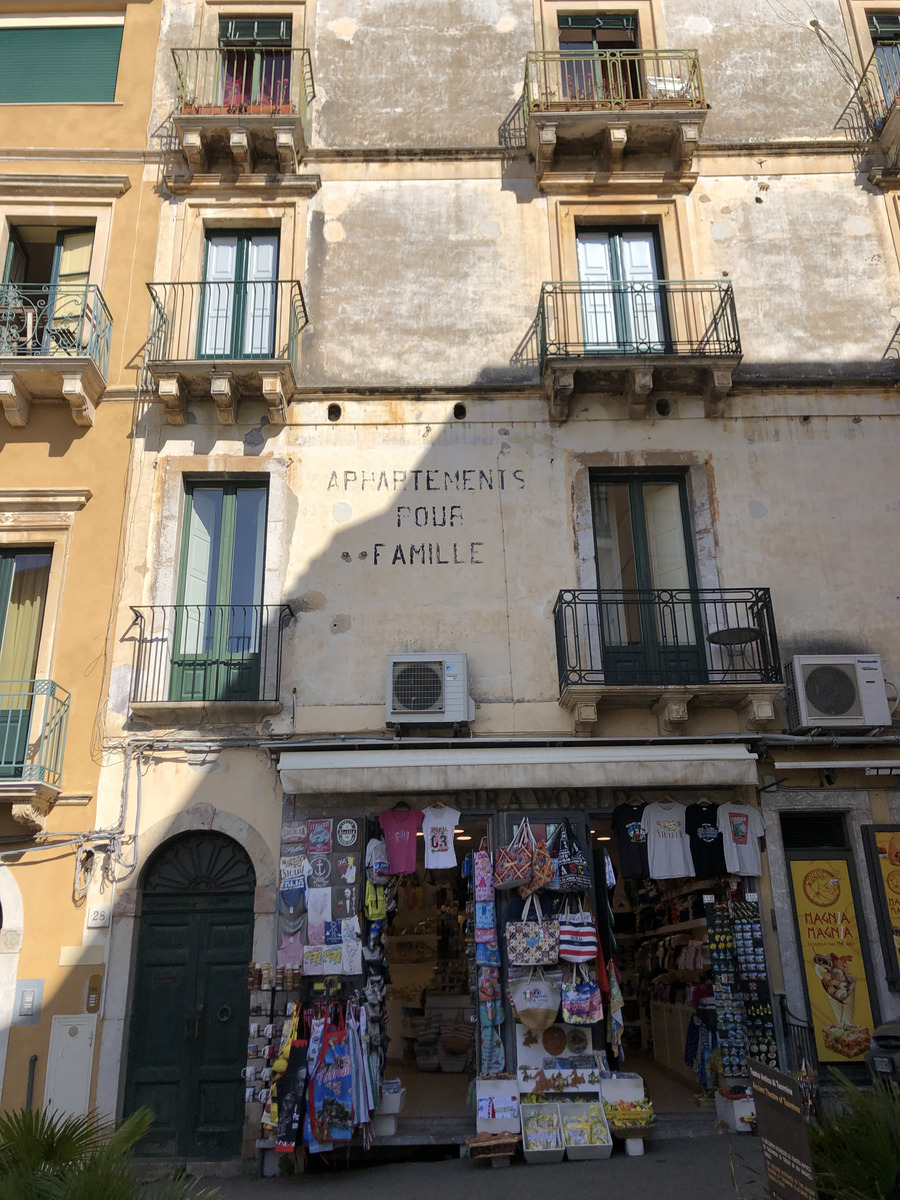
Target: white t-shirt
(668, 849)
(742, 827)
(438, 825)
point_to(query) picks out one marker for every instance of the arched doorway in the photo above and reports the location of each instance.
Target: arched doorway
(188, 1037)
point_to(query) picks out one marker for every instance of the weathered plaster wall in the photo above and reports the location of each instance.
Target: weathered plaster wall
(415, 73)
(422, 282)
(767, 76)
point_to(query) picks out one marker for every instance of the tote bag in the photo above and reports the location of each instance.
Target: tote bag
(574, 875)
(581, 1000)
(483, 875)
(514, 862)
(532, 943)
(535, 1000)
(577, 934)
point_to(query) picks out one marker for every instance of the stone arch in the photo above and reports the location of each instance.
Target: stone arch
(123, 935)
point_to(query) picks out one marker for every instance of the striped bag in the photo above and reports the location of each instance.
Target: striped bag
(578, 941)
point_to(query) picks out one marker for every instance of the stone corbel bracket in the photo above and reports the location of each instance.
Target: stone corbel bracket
(558, 387)
(224, 392)
(671, 713)
(172, 395)
(718, 385)
(16, 400)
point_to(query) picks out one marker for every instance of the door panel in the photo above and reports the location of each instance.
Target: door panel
(66, 310)
(597, 311)
(69, 1064)
(217, 310)
(642, 307)
(259, 313)
(189, 1024)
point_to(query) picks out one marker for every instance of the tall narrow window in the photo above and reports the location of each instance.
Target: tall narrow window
(650, 623)
(592, 67)
(884, 30)
(220, 612)
(45, 290)
(256, 64)
(239, 296)
(24, 576)
(621, 305)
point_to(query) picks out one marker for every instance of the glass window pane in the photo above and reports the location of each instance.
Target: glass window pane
(201, 569)
(249, 546)
(21, 632)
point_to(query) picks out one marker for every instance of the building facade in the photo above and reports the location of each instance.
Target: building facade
(577, 395)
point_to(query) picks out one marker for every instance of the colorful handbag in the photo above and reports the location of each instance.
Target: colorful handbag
(485, 921)
(532, 943)
(581, 1000)
(514, 862)
(535, 1000)
(487, 954)
(541, 869)
(574, 875)
(483, 874)
(577, 934)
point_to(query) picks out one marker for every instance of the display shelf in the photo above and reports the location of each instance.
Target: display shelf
(662, 931)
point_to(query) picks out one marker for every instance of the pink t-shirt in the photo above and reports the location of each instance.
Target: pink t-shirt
(400, 826)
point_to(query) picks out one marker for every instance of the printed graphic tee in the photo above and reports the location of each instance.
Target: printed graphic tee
(400, 826)
(668, 850)
(438, 825)
(742, 827)
(705, 836)
(632, 840)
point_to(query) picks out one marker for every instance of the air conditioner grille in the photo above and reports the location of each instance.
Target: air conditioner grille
(418, 686)
(831, 691)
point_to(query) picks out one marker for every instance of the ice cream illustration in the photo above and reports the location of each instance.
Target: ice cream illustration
(839, 984)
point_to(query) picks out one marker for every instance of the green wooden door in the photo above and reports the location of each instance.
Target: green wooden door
(24, 577)
(188, 1038)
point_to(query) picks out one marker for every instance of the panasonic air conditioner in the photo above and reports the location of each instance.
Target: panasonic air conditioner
(427, 689)
(836, 691)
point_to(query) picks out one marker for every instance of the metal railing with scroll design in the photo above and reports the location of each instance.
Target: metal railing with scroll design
(195, 652)
(666, 636)
(601, 80)
(879, 87)
(55, 320)
(659, 316)
(244, 81)
(227, 320)
(34, 717)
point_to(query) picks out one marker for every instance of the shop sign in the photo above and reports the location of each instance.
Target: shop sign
(883, 845)
(833, 964)
(782, 1131)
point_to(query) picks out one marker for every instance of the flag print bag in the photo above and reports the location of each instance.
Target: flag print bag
(532, 943)
(514, 865)
(577, 934)
(581, 1000)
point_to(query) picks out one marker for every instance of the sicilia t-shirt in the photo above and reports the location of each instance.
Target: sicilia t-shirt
(668, 852)
(400, 826)
(438, 826)
(632, 840)
(742, 827)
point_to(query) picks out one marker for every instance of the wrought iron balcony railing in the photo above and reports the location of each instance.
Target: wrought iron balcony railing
(660, 316)
(55, 320)
(666, 636)
(197, 652)
(604, 80)
(879, 87)
(245, 81)
(227, 321)
(34, 717)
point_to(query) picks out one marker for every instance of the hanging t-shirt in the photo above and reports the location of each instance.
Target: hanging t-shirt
(668, 851)
(438, 824)
(632, 840)
(742, 827)
(700, 822)
(377, 868)
(400, 826)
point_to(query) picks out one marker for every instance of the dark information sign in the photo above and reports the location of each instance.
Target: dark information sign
(782, 1131)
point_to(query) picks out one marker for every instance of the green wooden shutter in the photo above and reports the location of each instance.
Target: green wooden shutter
(75, 64)
(625, 22)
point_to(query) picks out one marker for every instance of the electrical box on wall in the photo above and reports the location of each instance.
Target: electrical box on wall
(29, 1002)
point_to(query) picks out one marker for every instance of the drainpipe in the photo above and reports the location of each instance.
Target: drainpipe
(29, 1091)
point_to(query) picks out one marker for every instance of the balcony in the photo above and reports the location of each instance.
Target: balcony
(207, 663)
(243, 108)
(668, 649)
(637, 338)
(226, 340)
(54, 341)
(34, 716)
(643, 108)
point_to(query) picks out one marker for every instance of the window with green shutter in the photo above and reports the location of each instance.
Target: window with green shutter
(74, 64)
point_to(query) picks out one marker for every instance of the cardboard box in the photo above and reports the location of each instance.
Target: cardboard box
(738, 1115)
(497, 1106)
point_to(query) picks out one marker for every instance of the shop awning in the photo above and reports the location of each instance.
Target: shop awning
(425, 769)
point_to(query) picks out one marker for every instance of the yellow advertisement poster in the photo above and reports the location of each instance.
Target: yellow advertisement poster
(832, 959)
(888, 843)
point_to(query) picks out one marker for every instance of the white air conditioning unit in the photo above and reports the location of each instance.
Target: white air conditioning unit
(427, 689)
(836, 691)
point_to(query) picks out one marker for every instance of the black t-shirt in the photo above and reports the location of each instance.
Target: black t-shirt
(626, 823)
(705, 837)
